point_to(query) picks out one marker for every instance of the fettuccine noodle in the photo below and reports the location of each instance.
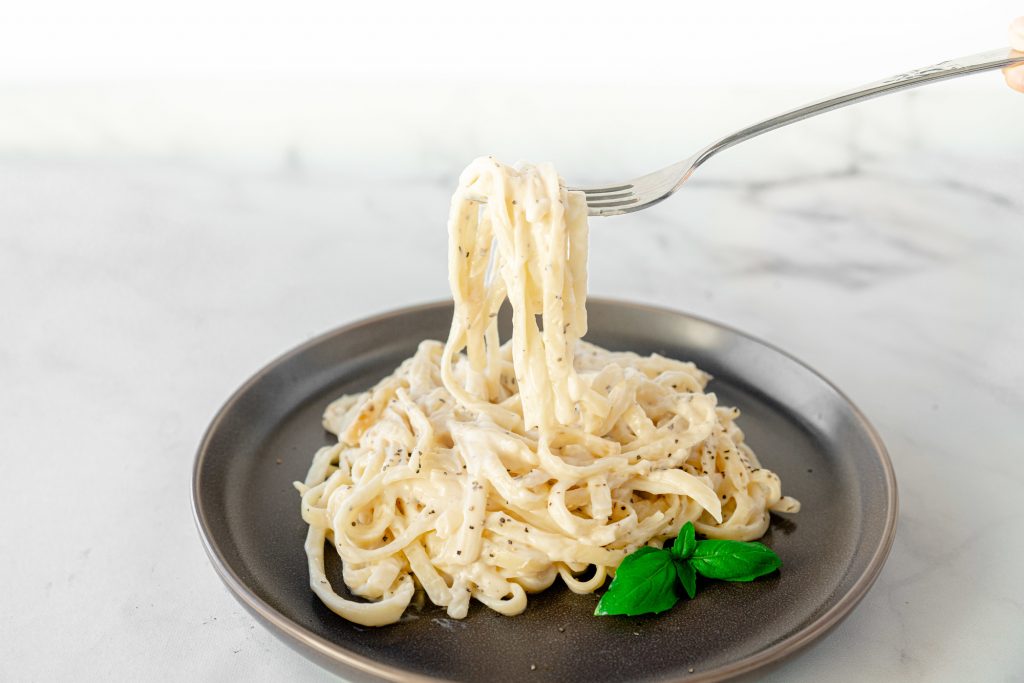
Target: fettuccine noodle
(481, 470)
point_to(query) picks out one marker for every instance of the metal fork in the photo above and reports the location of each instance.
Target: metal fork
(639, 193)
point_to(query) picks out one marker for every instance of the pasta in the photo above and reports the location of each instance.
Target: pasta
(487, 470)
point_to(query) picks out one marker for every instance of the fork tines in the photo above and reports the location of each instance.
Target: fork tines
(609, 197)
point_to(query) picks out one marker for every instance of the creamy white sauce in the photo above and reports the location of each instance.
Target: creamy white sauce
(481, 470)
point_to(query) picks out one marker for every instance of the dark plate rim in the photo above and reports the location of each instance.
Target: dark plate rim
(296, 635)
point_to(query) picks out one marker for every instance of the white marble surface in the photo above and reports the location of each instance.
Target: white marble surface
(159, 244)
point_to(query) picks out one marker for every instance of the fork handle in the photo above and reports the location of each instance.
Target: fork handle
(983, 61)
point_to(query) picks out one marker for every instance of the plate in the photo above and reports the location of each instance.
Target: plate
(801, 426)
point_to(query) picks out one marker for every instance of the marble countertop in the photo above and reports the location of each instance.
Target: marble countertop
(159, 244)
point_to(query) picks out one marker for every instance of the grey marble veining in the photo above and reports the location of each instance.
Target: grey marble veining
(158, 246)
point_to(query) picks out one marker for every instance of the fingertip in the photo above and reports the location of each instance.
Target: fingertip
(1015, 78)
(1017, 34)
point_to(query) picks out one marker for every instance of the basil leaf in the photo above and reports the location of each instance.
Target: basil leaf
(685, 542)
(687, 576)
(734, 560)
(644, 582)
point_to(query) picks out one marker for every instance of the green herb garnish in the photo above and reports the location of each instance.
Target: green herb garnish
(653, 580)
(734, 560)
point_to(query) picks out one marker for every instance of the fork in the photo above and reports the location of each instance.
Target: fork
(639, 193)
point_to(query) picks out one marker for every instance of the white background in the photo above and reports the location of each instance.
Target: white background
(188, 189)
(381, 89)
(604, 43)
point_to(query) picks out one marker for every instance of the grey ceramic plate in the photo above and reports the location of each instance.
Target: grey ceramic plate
(801, 426)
